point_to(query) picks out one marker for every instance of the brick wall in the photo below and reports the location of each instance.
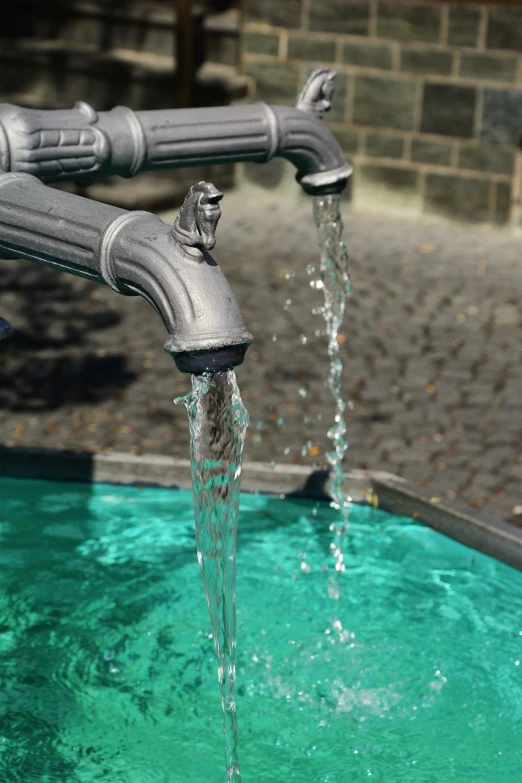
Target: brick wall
(428, 103)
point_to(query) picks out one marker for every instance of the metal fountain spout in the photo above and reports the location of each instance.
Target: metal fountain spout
(81, 144)
(318, 157)
(135, 253)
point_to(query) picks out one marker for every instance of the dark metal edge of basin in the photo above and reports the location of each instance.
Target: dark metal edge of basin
(476, 529)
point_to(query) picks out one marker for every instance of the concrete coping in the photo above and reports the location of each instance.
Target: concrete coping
(391, 493)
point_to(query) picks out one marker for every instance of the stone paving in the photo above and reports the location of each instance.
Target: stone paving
(431, 344)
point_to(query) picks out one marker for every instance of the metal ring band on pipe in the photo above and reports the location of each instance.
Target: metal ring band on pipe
(108, 237)
(5, 157)
(138, 138)
(274, 130)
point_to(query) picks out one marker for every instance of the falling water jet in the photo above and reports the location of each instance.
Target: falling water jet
(218, 422)
(336, 287)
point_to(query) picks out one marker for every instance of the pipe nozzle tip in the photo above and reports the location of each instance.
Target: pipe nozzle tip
(211, 361)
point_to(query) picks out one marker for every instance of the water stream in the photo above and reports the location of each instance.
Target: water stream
(335, 283)
(218, 423)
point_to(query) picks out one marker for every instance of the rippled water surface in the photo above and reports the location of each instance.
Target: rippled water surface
(108, 671)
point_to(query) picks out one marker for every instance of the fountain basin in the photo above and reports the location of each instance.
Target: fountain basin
(392, 493)
(413, 672)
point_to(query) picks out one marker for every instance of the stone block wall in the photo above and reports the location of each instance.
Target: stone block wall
(428, 102)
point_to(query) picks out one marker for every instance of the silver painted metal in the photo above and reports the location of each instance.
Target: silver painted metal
(81, 144)
(135, 253)
(317, 93)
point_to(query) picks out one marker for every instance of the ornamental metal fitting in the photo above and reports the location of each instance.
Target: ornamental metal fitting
(195, 226)
(135, 253)
(316, 95)
(82, 144)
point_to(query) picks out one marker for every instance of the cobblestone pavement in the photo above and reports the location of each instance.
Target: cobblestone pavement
(431, 344)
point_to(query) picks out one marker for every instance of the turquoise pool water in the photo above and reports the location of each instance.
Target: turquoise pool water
(108, 672)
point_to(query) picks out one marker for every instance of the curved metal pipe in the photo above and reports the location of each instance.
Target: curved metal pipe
(81, 144)
(135, 253)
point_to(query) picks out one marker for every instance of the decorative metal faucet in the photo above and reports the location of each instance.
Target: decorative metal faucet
(135, 253)
(80, 144)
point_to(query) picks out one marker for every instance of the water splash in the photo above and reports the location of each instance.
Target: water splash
(335, 284)
(218, 423)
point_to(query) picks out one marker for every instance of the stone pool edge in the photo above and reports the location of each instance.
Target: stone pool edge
(476, 529)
